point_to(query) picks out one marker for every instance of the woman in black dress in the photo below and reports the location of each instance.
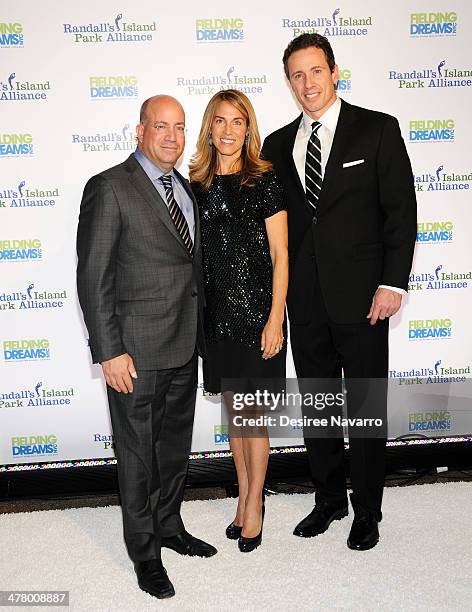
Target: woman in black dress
(245, 262)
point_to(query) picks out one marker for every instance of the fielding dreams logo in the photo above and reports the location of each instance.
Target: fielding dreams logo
(118, 30)
(225, 30)
(434, 232)
(433, 24)
(113, 87)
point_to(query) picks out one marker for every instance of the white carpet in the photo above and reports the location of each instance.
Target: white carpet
(423, 560)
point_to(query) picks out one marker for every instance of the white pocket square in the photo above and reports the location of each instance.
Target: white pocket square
(353, 163)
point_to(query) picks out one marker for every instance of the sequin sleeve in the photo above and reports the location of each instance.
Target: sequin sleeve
(272, 195)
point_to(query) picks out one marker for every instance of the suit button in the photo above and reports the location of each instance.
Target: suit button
(315, 220)
(194, 294)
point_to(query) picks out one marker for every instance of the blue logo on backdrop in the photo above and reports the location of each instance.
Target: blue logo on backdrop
(429, 329)
(29, 298)
(34, 446)
(438, 279)
(337, 23)
(23, 196)
(26, 350)
(433, 373)
(431, 130)
(434, 232)
(219, 30)
(14, 89)
(230, 78)
(442, 179)
(125, 140)
(20, 250)
(438, 77)
(113, 87)
(35, 397)
(11, 35)
(433, 24)
(16, 145)
(119, 30)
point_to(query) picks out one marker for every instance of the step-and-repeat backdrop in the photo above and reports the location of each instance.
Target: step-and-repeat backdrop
(72, 78)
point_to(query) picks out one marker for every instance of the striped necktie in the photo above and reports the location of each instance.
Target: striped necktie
(313, 175)
(176, 213)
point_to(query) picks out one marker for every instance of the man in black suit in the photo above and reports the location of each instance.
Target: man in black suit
(140, 287)
(352, 229)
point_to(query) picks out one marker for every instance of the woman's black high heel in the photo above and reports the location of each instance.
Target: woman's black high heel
(233, 532)
(250, 544)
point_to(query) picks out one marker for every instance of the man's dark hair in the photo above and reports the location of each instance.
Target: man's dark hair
(309, 40)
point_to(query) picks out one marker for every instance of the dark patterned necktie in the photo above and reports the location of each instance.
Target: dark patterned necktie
(176, 213)
(313, 175)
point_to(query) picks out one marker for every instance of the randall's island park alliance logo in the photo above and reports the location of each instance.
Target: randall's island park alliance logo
(431, 130)
(118, 30)
(442, 179)
(437, 76)
(440, 278)
(100, 142)
(11, 35)
(442, 23)
(32, 297)
(336, 23)
(38, 445)
(224, 29)
(434, 232)
(114, 87)
(438, 372)
(16, 89)
(25, 195)
(38, 395)
(229, 78)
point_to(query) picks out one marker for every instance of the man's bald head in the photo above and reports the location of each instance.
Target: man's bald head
(161, 131)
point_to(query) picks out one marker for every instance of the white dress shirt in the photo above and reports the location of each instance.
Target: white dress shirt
(329, 121)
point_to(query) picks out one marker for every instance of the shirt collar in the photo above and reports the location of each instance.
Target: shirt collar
(152, 170)
(329, 119)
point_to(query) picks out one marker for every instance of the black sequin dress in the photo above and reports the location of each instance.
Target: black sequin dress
(238, 279)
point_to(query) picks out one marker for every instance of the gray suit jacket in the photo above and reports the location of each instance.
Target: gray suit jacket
(140, 290)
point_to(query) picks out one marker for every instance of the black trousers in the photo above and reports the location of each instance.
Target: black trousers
(320, 350)
(152, 430)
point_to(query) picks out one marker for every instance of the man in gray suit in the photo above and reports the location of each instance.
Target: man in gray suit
(140, 288)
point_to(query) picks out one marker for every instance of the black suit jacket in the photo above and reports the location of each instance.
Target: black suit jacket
(140, 290)
(364, 231)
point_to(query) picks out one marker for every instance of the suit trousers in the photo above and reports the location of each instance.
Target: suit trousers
(322, 349)
(152, 430)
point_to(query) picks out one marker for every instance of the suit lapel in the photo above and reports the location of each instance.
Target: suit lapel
(196, 216)
(144, 186)
(344, 134)
(291, 134)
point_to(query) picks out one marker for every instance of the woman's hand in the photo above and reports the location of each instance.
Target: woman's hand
(272, 339)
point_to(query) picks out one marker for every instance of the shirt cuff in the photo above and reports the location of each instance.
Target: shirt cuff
(396, 289)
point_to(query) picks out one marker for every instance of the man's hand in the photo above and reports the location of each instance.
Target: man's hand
(385, 303)
(118, 373)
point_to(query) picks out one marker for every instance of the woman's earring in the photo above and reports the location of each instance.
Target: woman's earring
(210, 140)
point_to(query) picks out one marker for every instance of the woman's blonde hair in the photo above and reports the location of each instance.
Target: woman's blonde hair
(203, 164)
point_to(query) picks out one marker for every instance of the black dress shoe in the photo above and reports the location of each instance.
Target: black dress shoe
(364, 532)
(319, 519)
(233, 531)
(250, 544)
(153, 579)
(186, 544)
